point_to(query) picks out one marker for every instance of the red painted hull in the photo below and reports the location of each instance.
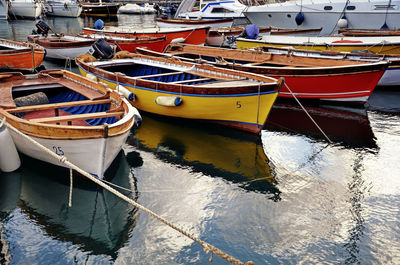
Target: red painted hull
(195, 36)
(154, 44)
(354, 87)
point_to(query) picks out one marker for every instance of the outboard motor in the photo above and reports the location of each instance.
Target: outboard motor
(101, 49)
(42, 28)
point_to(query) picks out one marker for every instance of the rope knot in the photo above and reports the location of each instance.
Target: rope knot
(63, 159)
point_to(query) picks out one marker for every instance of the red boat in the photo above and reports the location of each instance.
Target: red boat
(196, 36)
(130, 44)
(305, 77)
(20, 56)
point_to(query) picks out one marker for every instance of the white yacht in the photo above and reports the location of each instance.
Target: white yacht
(212, 10)
(62, 8)
(3, 9)
(29, 9)
(329, 14)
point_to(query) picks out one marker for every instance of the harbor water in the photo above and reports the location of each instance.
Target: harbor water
(284, 197)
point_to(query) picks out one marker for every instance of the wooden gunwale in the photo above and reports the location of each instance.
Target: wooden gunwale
(53, 131)
(310, 66)
(266, 84)
(60, 42)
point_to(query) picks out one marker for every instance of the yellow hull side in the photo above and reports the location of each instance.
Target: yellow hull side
(253, 109)
(379, 49)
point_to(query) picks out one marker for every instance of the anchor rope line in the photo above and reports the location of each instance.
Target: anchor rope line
(319, 128)
(206, 246)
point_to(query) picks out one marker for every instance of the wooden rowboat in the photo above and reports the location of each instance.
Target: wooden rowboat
(20, 56)
(378, 44)
(391, 77)
(308, 78)
(170, 87)
(369, 32)
(130, 44)
(68, 114)
(62, 47)
(184, 23)
(187, 35)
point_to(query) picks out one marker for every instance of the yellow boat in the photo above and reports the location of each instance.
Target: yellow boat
(379, 45)
(170, 87)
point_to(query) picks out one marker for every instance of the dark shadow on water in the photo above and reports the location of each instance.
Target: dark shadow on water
(349, 127)
(215, 151)
(385, 99)
(98, 221)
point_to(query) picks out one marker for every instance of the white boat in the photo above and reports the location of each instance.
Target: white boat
(3, 9)
(329, 14)
(148, 8)
(29, 9)
(62, 47)
(131, 9)
(72, 116)
(63, 8)
(194, 23)
(212, 10)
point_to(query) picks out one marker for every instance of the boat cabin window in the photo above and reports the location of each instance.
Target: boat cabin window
(289, 15)
(221, 10)
(328, 7)
(351, 7)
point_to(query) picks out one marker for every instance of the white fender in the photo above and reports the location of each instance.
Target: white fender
(168, 101)
(125, 92)
(91, 77)
(178, 40)
(9, 158)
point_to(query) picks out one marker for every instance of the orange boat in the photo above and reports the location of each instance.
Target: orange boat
(20, 56)
(196, 36)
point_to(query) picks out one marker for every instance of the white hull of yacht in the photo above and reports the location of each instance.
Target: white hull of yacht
(3, 9)
(63, 10)
(29, 10)
(326, 14)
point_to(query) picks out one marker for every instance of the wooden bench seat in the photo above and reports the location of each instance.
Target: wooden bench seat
(58, 105)
(78, 117)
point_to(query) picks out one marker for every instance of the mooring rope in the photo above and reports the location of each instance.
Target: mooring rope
(206, 246)
(319, 128)
(70, 188)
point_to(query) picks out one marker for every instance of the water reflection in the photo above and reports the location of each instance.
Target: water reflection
(10, 189)
(98, 221)
(214, 152)
(348, 126)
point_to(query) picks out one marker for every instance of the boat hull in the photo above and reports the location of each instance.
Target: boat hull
(185, 23)
(91, 155)
(63, 10)
(155, 44)
(326, 14)
(3, 9)
(101, 10)
(23, 59)
(196, 36)
(63, 47)
(345, 45)
(246, 112)
(28, 10)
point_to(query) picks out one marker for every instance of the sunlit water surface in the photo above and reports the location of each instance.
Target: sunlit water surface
(286, 197)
